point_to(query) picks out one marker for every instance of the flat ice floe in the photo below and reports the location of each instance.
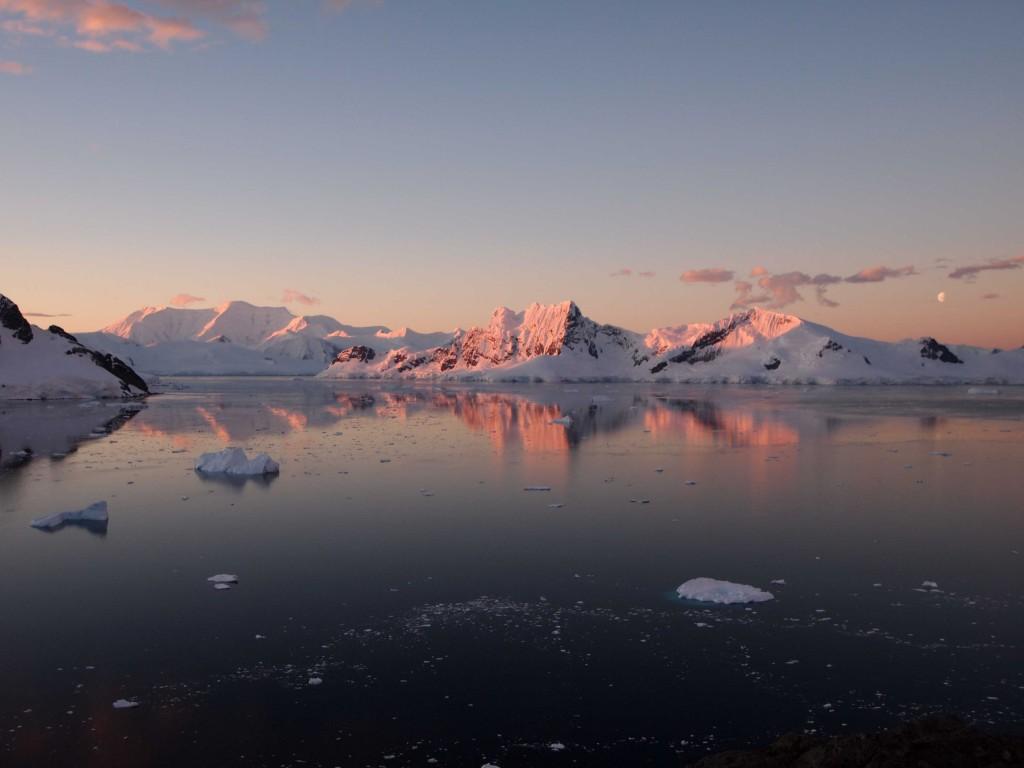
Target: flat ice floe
(94, 513)
(233, 461)
(724, 592)
(125, 704)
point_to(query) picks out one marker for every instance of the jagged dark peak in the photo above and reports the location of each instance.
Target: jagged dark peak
(932, 350)
(12, 319)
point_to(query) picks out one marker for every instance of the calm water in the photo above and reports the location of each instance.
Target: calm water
(454, 617)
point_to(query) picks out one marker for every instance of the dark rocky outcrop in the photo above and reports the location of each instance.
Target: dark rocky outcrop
(932, 742)
(113, 365)
(831, 346)
(359, 353)
(56, 330)
(12, 319)
(932, 350)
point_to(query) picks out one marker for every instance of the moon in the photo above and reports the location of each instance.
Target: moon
(941, 297)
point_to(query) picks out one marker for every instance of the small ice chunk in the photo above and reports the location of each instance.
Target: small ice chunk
(537, 488)
(125, 704)
(689, 482)
(781, 582)
(944, 454)
(94, 513)
(222, 586)
(223, 578)
(233, 461)
(315, 680)
(930, 584)
(724, 592)
(982, 391)
(565, 421)
(556, 746)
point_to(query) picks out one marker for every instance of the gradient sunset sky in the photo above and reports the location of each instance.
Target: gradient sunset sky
(418, 162)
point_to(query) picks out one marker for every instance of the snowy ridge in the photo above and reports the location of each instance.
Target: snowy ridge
(239, 338)
(52, 364)
(559, 343)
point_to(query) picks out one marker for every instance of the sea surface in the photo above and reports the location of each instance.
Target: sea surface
(455, 619)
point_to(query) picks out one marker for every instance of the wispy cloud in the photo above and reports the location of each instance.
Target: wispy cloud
(712, 275)
(624, 272)
(879, 273)
(646, 274)
(758, 271)
(14, 68)
(46, 314)
(184, 299)
(971, 271)
(990, 295)
(291, 296)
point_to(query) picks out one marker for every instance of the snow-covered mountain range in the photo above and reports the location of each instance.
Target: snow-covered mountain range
(37, 363)
(238, 338)
(542, 343)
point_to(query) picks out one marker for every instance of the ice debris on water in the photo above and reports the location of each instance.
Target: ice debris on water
(125, 704)
(723, 592)
(537, 488)
(233, 461)
(94, 513)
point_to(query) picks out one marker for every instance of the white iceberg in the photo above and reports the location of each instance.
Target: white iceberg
(724, 592)
(233, 461)
(223, 578)
(125, 704)
(94, 513)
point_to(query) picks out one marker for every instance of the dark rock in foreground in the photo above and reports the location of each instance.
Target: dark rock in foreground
(933, 742)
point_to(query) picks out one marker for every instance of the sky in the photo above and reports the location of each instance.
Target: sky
(419, 162)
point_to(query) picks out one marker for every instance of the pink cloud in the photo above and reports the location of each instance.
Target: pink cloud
(624, 272)
(184, 299)
(713, 275)
(292, 296)
(777, 291)
(90, 24)
(14, 68)
(971, 272)
(879, 273)
(758, 271)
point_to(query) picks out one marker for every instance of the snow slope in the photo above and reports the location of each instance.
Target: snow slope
(51, 364)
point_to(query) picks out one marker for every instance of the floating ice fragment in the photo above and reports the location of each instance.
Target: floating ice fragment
(940, 453)
(233, 461)
(565, 421)
(556, 746)
(537, 488)
(94, 513)
(315, 680)
(930, 584)
(779, 581)
(555, 506)
(982, 391)
(689, 482)
(125, 704)
(222, 586)
(724, 592)
(223, 578)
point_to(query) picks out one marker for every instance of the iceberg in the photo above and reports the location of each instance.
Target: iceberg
(125, 704)
(233, 461)
(723, 592)
(94, 513)
(223, 578)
